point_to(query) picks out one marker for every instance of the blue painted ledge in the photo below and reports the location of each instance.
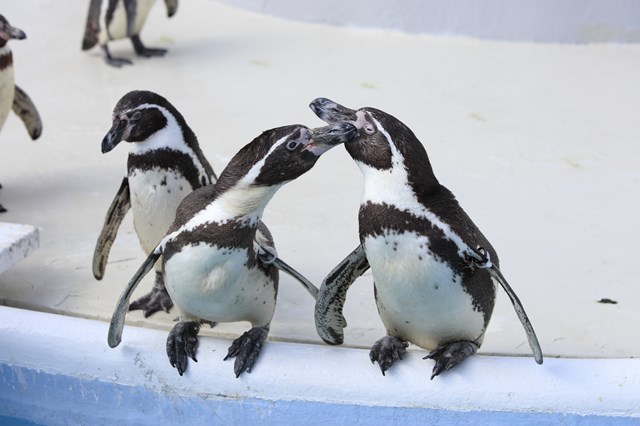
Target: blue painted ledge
(59, 370)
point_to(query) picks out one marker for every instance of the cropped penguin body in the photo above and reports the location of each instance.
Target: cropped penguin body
(421, 246)
(118, 19)
(219, 259)
(165, 163)
(13, 97)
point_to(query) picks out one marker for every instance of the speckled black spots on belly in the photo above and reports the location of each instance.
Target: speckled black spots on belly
(382, 220)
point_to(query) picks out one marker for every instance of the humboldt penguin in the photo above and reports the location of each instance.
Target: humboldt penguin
(434, 272)
(12, 96)
(215, 267)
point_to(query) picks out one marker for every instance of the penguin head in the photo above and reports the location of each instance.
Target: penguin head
(7, 32)
(140, 114)
(383, 142)
(282, 154)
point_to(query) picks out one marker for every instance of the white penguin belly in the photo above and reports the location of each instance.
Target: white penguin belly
(213, 283)
(118, 27)
(155, 196)
(419, 297)
(7, 92)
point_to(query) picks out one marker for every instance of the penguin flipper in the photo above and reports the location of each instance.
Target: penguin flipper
(117, 319)
(522, 315)
(328, 311)
(92, 28)
(268, 255)
(172, 7)
(117, 210)
(24, 108)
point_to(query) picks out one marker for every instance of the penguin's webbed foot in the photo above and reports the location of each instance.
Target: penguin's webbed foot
(182, 343)
(386, 350)
(246, 349)
(156, 300)
(449, 355)
(114, 62)
(142, 50)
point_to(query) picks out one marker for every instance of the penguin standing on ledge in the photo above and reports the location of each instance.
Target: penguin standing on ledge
(434, 272)
(11, 96)
(215, 267)
(165, 164)
(117, 19)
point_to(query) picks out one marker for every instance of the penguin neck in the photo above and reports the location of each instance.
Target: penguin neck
(6, 58)
(247, 201)
(240, 203)
(408, 182)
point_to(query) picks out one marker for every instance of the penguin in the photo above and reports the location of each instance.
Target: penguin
(435, 273)
(12, 96)
(109, 20)
(218, 255)
(165, 163)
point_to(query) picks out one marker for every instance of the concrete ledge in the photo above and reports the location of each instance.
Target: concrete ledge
(16, 243)
(569, 21)
(58, 369)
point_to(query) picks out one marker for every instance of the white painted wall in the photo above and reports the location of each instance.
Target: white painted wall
(565, 21)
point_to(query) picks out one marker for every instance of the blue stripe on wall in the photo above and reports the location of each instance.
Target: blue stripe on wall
(30, 397)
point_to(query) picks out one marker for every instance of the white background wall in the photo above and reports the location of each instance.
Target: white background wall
(559, 21)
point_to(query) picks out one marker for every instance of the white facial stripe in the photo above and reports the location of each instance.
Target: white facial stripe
(168, 137)
(392, 187)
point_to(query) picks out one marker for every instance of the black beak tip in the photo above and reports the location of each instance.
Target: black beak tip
(107, 145)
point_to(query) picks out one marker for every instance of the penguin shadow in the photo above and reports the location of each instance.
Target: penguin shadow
(192, 51)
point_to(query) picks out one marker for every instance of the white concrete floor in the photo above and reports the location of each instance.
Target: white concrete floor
(538, 142)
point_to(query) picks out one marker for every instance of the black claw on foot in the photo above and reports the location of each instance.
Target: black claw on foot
(246, 349)
(2, 209)
(156, 300)
(182, 343)
(144, 51)
(386, 350)
(449, 355)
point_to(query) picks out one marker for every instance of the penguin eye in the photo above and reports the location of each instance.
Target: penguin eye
(136, 116)
(369, 129)
(292, 145)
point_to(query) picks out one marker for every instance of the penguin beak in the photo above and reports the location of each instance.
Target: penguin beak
(324, 138)
(9, 32)
(332, 112)
(119, 131)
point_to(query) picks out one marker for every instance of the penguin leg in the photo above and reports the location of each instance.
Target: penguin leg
(156, 300)
(246, 349)
(114, 62)
(142, 50)
(182, 343)
(386, 350)
(449, 355)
